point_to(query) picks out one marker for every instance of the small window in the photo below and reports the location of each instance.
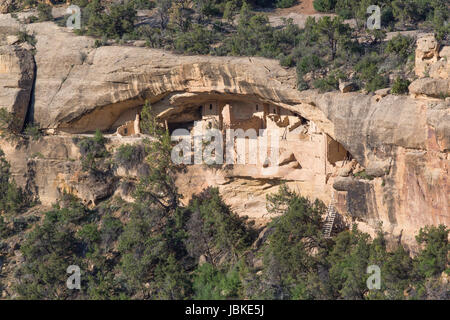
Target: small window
(125, 131)
(257, 107)
(210, 107)
(274, 111)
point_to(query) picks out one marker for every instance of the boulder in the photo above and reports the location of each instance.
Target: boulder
(343, 183)
(383, 92)
(378, 168)
(437, 88)
(139, 43)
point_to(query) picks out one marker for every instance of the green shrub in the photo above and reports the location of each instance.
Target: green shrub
(23, 4)
(363, 175)
(309, 63)
(98, 43)
(433, 258)
(344, 11)
(387, 17)
(129, 156)
(400, 86)
(5, 232)
(401, 46)
(80, 3)
(348, 260)
(211, 283)
(6, 122)
(143, 4)
(93, 151)
(229, 10)
(89, 233)
(197, 41)
(113, 23)
(254, 37)
(305, 65)
(25, 37)
(210, 8)
(287, 61)
(48, 250)
(285, 3)
(301, 83)
(377, 82)
(120, 20)
(33, 131)
(329, 83)
(287, 252)
(111, 229)
(44, 12)
(324, 5)
(12, 198)
(213, 224)
(334, 34)
(368, 72)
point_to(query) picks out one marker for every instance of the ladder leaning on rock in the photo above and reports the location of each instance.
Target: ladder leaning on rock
(331, 215)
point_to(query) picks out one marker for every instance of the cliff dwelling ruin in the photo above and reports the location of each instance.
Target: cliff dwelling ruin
(305, 152)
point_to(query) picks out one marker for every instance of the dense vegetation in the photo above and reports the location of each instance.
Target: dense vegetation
(94, 153)
(12, 199)
(155, 248)
(10, 124)
(327, 51)
(397, 14)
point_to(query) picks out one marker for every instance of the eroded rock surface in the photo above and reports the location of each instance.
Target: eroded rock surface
(399, 144)
(17, 70)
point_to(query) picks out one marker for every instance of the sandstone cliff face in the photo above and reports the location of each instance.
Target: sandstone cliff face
(16, 80)
(402, 141)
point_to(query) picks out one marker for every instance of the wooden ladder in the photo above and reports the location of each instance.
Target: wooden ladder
(331, 215)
